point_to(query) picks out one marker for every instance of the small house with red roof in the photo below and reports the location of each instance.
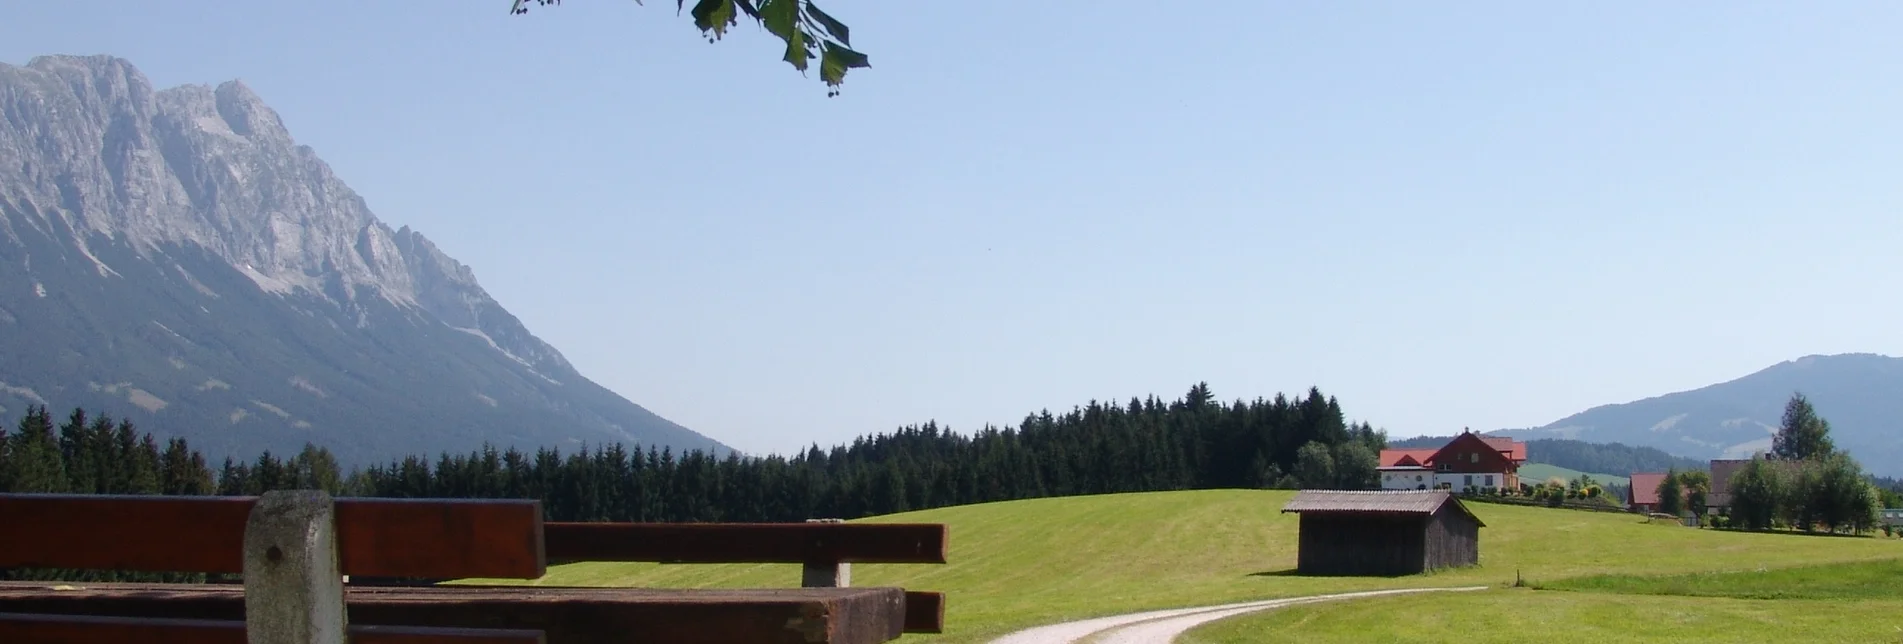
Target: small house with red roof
(1645, 492)
(1468, 461)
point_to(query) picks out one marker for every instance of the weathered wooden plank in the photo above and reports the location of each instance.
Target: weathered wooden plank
(924, 612)
(441, 538)
(18, 628)
(378, 537)
(748, 542)
(103, 532)
(567, 615)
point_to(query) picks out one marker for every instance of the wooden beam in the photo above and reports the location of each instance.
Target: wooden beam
(924, 612)
(567, 615)
(375, 537)
(922, 543)
(90, 629)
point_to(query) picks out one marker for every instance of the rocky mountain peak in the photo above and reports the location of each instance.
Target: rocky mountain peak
(197, 186)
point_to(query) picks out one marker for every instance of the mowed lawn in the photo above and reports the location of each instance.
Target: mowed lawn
(1856, 602)
(1023, 563)
(1518, 616)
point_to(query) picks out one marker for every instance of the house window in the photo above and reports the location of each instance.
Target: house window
(1476, 457)
(1489, 480)
(1468, 481)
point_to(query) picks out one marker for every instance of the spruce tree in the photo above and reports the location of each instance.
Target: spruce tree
(35, 459)
(1802, 434)
(6, 470)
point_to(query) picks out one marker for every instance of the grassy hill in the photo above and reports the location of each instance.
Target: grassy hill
(1022, 563)
(1536, 472)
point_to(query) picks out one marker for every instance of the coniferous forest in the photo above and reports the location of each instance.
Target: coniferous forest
(1143, 445)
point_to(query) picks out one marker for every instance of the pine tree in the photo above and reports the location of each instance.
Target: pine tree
(35, 457)
(6, 458)
(1802, 434)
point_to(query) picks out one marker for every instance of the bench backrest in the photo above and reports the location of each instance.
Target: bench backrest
(293, 547)
(379, 537)
(801, 543)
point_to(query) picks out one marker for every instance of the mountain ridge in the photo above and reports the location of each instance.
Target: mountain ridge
(1861, 394)
(175, 257)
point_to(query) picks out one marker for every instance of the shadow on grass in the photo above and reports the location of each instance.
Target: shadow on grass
(1291, 572)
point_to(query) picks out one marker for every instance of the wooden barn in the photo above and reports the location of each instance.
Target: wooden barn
(1383, 532)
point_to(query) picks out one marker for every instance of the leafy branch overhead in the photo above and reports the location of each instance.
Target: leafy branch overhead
(809, 33)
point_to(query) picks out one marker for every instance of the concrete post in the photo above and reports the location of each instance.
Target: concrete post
(826, 574)
(293, 592)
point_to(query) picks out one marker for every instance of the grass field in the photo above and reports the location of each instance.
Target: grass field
(1844, 602)
(1023, 563)
(1517, 616)
(1538, 472)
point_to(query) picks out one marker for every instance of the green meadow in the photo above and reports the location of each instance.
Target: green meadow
(1846, 602)
(1024, 563)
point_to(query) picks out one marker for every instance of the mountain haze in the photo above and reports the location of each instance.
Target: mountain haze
(174, 257)
(1860, 394)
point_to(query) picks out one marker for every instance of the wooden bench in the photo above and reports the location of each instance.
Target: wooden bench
(439, 539)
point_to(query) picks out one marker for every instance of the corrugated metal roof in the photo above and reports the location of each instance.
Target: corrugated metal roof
(1375, 501)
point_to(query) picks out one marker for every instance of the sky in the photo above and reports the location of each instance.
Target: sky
(1480, 214)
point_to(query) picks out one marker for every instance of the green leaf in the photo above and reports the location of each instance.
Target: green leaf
(714, 15)
(836, 60)
(747, 7)
(796, 52)
(833, 27)
(780, 18)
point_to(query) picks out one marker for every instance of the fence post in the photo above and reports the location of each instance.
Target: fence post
(293, 592)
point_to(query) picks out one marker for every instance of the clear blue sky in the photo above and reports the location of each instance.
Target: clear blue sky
(1479, 214)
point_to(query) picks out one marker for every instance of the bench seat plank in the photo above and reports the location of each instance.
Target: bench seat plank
(89, 629)
(869, 615)
(375, 537)
(920, 543)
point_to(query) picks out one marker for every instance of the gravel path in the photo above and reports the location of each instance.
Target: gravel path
(1162, 626)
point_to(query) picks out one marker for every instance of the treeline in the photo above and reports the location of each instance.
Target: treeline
(1145, 445)
(1617, 459)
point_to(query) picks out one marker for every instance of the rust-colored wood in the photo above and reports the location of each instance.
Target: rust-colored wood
(924, 612)
(103, 532)
(868, 615)
(377, 537)
(923, 543)
(18, 628)
(441, 538)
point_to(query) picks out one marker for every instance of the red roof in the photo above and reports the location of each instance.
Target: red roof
(1645, 488)
(1515, 450)
(1394, 457)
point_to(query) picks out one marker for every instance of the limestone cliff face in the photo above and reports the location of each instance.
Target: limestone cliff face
(180, 201)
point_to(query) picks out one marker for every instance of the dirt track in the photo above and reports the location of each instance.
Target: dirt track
(1162, 626)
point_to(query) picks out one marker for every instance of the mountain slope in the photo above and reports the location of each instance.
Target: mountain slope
(176, 258)
(1860, 394)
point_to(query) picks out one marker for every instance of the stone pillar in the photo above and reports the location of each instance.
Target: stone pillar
(293, 592)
